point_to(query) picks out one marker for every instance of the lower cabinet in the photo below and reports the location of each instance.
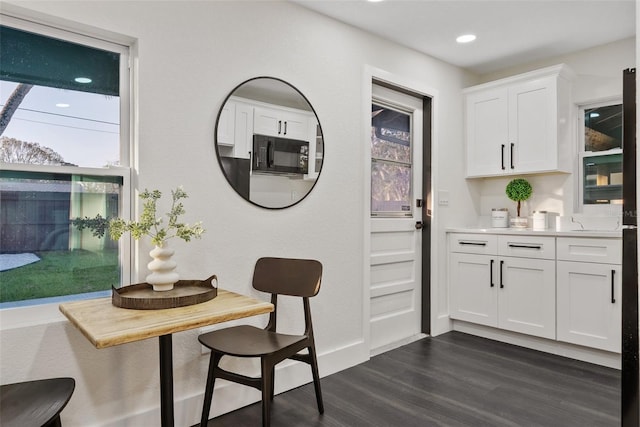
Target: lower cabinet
(565, 289)
(590, 292)
(514, 293)
(527, 296)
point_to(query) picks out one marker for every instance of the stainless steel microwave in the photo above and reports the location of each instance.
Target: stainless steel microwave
(280, 155)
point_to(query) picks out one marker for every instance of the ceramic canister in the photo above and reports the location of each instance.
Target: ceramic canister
(499, 218)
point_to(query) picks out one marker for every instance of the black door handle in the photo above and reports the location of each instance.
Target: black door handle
(512, 145)
(501, 284)
(419, 225)
(613, 295)
(502, 157)
(491, 274)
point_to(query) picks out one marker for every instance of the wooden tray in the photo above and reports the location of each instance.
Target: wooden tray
(141, 296)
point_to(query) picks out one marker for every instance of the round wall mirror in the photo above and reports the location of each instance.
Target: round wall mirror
(269, 143)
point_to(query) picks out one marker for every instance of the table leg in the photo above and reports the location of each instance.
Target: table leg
(166, 381)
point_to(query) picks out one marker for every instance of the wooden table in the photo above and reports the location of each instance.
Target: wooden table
(106, 325)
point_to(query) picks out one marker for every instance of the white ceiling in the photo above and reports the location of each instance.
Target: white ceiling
(510, 32)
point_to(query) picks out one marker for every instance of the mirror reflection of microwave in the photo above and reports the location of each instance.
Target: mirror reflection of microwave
(280, 155)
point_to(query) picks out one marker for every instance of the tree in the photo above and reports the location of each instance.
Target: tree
(12, 104)
(15, 151)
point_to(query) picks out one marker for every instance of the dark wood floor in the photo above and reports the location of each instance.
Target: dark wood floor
(452, 380)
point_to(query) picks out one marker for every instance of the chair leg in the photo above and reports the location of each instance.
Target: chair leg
(273, 382)
(208, 393)
(54, 422)
(267, 391)
(316, 378)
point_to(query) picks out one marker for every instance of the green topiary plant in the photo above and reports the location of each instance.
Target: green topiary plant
(519, 190)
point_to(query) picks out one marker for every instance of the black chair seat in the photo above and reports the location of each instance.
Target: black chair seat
(34, 403)
(249, 341)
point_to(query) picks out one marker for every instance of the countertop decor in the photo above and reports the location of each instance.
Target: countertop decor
(163, 274)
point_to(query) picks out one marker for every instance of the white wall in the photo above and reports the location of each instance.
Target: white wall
(188, 56)
(598, 77)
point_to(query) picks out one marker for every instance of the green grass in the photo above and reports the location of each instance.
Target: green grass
(61, 273)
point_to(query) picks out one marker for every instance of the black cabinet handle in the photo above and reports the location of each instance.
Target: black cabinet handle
(279, 126)
(501, 283)
(512, 145)
(502, 157)
(285, 128)
(491, 274)
(613, 295)
(511, 245)
(473, 243)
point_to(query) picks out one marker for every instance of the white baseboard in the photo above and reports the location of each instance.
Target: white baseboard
(598, 357)
(394, 345)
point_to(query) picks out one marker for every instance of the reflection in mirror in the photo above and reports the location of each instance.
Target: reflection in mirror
(269, 143)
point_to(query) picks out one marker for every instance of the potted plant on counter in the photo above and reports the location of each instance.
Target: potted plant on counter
(519, 190)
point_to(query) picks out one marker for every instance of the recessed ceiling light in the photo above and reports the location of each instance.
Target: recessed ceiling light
(62, 105)
(374, 1)
(83, 80)
(466, 38)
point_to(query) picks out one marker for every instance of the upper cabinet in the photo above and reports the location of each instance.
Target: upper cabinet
(520, 125)
(282, 123)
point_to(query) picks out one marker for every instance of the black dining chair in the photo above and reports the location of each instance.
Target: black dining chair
(35, 403)
(277, 276)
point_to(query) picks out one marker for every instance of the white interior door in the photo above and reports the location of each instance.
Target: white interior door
(395, 257)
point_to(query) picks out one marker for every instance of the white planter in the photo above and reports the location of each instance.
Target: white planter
(162, 268)
(519, 222)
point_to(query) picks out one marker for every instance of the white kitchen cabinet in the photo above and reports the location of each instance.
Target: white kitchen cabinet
(506, 282)
(519, 125)
(527, 296)
(589, 292)
(226, 124)
(235, 129)
(281, 123)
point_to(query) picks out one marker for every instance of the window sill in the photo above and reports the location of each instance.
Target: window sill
(14, 316)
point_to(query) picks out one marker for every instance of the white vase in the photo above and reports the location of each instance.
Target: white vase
(162, 268)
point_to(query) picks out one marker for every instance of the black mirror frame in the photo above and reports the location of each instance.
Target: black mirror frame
(218, 155)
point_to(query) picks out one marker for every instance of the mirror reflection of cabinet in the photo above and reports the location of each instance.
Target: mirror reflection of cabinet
(267, 107)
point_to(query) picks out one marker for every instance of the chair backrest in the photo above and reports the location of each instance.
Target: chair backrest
(288, 276)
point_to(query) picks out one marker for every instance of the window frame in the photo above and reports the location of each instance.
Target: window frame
(125, 47)
(596, 210)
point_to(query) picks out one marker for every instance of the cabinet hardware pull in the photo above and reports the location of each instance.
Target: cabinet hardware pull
(285, 128)
(279, 126)
(512, 145)
(491, 274)
(501, 283)
(473, 243)
(613, 297)
(511, 245)
(502, 157)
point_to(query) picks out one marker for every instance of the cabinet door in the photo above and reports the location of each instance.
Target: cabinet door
(243, 131)
(473, 288)
(533, 112)
(589, 304)
(226, 124)
(487, 132)
(527, 296)
(284, 124)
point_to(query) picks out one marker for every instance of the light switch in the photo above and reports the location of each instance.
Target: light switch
(443, 198)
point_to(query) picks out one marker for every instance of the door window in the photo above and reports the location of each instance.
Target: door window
(391, 162)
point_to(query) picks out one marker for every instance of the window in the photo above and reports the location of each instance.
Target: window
(601, 158)
(391, 171)
(64, 149)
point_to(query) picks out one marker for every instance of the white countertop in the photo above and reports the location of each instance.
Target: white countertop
(530, 232)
